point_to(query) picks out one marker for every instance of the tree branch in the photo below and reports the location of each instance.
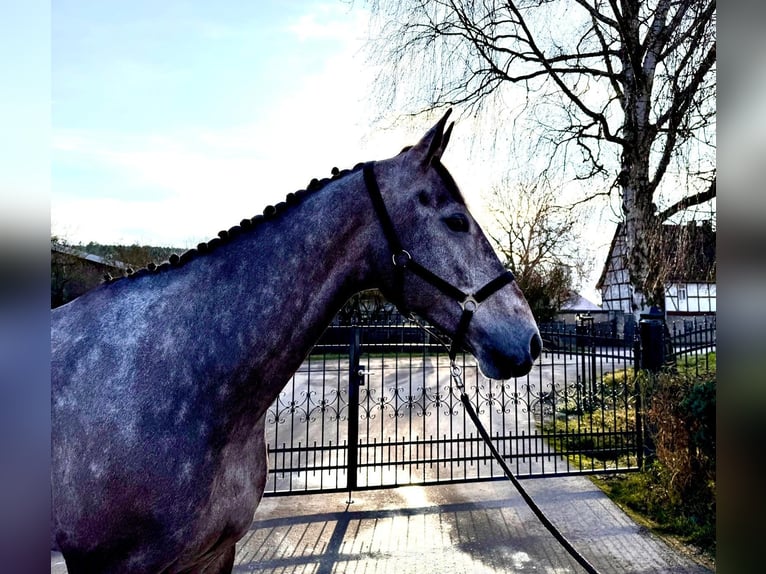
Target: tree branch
(687, 202)
(608, 135)
(675, 115)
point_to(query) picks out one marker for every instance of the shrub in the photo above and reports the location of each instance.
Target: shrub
(680, 483)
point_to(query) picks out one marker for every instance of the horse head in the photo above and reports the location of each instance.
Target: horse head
(439, 264)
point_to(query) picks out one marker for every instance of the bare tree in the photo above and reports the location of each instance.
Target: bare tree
(539, 241)
(618, 89)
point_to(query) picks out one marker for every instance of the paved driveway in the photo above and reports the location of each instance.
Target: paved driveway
(451, 529)
(468, 528)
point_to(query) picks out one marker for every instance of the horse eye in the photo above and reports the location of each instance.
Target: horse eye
(457, 222)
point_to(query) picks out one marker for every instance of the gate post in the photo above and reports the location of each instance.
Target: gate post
(651, 340)
(355, 380)
(651, 330)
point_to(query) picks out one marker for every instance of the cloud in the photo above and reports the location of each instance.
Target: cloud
(328, 21)
(194, 186)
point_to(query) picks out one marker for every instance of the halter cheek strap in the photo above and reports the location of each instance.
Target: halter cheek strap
(402, 261)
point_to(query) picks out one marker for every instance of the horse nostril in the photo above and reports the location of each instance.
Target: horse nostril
(535, 346)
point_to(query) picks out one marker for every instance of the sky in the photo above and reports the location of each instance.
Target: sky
(172, 120)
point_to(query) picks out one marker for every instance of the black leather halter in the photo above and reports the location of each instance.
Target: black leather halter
(402, 261)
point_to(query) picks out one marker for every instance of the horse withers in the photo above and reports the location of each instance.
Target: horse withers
(160, 380)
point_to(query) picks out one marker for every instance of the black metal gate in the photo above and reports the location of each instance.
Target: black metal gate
(373, 407)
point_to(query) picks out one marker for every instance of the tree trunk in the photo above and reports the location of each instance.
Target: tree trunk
(642, 230)
(641, 225)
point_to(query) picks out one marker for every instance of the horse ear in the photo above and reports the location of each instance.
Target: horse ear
(432, 145)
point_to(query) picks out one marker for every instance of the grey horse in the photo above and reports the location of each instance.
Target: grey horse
(160, 380)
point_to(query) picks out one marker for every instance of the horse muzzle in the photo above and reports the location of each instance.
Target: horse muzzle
(509, 359)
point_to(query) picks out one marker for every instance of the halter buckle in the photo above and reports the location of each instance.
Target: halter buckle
(401, 259)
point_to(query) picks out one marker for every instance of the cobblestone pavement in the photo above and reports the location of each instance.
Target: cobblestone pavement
(467, 528)
(482, 528)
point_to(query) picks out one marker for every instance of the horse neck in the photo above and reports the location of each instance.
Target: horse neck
(278, 287)
(315, 257)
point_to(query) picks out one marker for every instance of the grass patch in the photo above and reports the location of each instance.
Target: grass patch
(675, 494)
(647, 498)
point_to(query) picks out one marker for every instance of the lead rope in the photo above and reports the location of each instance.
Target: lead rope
(456, 376)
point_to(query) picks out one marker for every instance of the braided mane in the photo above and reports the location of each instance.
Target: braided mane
(245, 226)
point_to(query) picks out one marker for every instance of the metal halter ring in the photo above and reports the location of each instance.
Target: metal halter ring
(469, 304)
(402, 258)
(455, 374)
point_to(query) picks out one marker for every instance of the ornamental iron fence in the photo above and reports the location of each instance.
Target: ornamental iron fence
(373, 406)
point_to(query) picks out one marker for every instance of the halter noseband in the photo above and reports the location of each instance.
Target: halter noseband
(403, 260)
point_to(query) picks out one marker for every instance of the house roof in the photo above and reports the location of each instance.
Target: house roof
(689, 249)
(65, 249)
(579, 303)
(609, 255)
